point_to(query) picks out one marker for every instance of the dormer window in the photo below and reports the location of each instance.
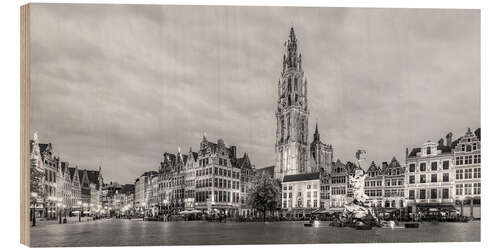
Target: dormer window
(428, 150)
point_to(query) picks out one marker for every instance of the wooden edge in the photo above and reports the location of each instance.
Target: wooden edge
(25, 106)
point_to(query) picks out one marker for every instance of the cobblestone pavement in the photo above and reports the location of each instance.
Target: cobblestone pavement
(115, 232)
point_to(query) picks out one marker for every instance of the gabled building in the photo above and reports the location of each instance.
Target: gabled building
(394, 184)
(247, 176)
(85, 190)
(338, 185)
(76, 200)
(429, 176)
(190, 179)
(64, 187)
(50, 163)
(374, 185)
(467, 158)
(218, 178)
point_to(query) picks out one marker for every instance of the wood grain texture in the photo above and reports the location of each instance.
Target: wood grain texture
(25, 111)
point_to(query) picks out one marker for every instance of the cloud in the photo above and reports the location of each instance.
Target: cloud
(118, 85)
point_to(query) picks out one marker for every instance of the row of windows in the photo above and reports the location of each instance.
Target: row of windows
(338, 190)
(468, 173)
(308, 186)
(299, 204)
(373, 183)
(394, 193)
(469, 147)
(468, 189)
(394, 182)
(219, 183)
(434, 166)
(219, 196)
(434, 178)
(373, 192)
(429, 194)
(203, 162)
(467, 159)
(219, 172)
(338, 179)
(299, 194)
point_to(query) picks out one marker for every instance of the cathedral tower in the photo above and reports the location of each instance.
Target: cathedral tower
(292, 114)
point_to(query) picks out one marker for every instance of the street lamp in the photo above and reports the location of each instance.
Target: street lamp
(59, 205)
(64, 207)
(59, 212)
(35, 196)
(79, 203)
(164, 206)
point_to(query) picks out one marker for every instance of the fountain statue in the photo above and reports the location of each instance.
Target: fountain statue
(358, 212)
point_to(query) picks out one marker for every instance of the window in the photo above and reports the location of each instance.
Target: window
(459, 189)
(446, 177)
(467, 189)
(434, 178)
(422, 194)
(428, 150)
(446, 165)
(477, 188)
(474, 146)
(422, 178)
(463, 147)
(422, 167)
(434, 166)
(468, 173)
(477, 173)
(411, 194)
(412, 179)
(446, 193)
(459, 174)
(412, 167)
(477, 158)
(468, 159)
(469, 148)
(434, 193)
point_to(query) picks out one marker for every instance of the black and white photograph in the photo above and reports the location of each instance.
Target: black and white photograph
(165, 125)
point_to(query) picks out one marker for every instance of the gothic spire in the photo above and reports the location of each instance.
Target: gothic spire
(316, 133)
(291, 59)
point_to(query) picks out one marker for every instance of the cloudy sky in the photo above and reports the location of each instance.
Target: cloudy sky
(118, 85)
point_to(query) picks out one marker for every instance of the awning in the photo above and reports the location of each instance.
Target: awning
(436, 205)
(190, 212)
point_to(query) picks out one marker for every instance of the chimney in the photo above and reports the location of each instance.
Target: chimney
(406, 153)
(449, 137)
